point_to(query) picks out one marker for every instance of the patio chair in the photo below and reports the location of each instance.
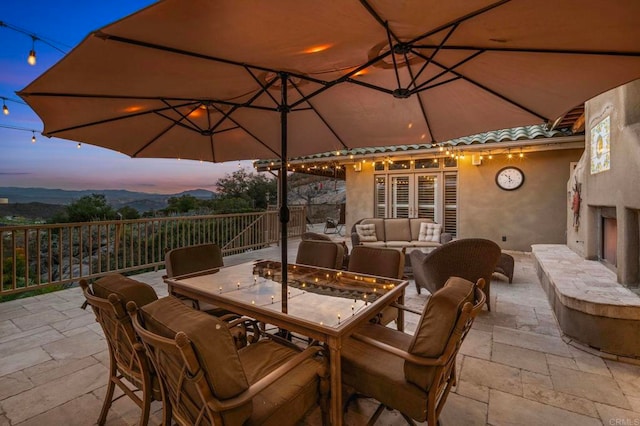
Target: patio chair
(128, 361)
(383, 262)
(420, 369)
(336, 226)
(207, 381)
(322, 237)
(323, 254)
(191, 260)
(468, 258)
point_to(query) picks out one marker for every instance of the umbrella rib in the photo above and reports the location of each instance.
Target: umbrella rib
(493, 92)
(347, 78)
(184, 117)
(313, 108)
(430, 58)
(264, 87)
(378, 18)
(144, 98)
(535, 50)
(459, 20)
(109, 120)
(424, 112)
(158, 136)
(446, 70)
(226, 115)
(125, 40)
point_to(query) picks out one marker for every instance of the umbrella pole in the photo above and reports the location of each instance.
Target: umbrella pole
(284, 208)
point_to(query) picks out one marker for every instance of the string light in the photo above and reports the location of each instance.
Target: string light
(5, 108)
(31, 60)
(80, 146)
(33, 137)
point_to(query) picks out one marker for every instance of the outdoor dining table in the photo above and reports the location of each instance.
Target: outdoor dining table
(323, 304)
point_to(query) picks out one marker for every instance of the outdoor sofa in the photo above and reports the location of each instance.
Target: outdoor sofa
(398, 233)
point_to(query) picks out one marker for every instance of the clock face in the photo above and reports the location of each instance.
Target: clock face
(510, 178)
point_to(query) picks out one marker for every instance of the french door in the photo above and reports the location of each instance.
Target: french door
(425, 195)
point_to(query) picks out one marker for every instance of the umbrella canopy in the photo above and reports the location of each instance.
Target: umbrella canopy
(202, 79)
(220, 80)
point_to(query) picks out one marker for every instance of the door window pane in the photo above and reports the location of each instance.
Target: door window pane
(400, 196)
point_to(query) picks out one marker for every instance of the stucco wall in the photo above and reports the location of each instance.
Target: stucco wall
(360, 189)
(618, 187)
(535, 213)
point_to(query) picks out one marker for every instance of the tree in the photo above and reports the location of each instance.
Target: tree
(128, 212)
(183, 204)
(85, 209)
(258, 190)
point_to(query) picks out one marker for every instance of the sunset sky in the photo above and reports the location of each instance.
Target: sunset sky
(58, 163)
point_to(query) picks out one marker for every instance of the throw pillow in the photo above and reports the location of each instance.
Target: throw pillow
(430, 232)
(367, 233)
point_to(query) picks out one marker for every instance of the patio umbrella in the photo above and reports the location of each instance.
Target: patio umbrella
(220, 80)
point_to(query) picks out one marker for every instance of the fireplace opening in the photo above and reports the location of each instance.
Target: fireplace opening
(609, 237)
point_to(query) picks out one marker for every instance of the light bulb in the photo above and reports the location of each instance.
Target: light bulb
(5, 109)
(33, 138)
(79, 145)
(32, 57)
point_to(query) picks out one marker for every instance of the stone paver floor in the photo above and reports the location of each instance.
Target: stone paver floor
(514, 368)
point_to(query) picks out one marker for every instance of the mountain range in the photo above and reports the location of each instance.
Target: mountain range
(117, 198)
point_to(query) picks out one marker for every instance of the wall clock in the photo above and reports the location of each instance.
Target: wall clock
(509, 178)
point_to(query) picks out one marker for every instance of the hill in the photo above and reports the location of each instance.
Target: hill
(141, 201)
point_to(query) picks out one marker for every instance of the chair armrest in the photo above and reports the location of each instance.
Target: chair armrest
(399, 352)
(445, 237)
(266, 381)
(406, 308)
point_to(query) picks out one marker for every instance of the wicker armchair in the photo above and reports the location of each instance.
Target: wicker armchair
(208, 381)
(413, 374)
(470, 258)
(128, 361)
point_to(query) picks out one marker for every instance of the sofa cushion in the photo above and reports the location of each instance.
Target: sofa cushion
(125, 288)
(436, 325)
(397, 230)
(424, 244)
(430, 232)
(414, 224)
(379, 224)
(367, 232)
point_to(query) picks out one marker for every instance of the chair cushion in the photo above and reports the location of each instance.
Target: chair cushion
(374, 372)
(397, 230)
(383, 262)
(291, 396)
(125, 288)
(414, 224)
(187, 260)
(366, 233)
(324, 254)
(430, 232)
(435, 327)
(210, 337)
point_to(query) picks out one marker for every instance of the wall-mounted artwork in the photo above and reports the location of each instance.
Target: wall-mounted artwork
(601, 146)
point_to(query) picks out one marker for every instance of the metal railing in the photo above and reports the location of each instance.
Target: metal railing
(38, 256)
